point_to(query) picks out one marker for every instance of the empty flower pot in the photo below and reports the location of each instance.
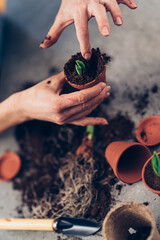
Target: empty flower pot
(127, 159)
(130, 215)
(151, 181)
(148, 132)
(10, 164)
(96, 65)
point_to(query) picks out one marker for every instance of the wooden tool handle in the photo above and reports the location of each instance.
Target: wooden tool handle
(26, 224)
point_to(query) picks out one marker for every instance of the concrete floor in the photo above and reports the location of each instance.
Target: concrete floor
(136, 59)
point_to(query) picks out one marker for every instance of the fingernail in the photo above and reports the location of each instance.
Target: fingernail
(105, 122)
(47, 41)
(102, 86)
(87, 56)
(119, 21)
(109, 88)
(107, 94)
(135, 5)
(105, 31)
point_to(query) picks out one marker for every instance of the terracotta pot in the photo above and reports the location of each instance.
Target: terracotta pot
(127, 159)
(10, 164)
(143, 177)
(147, 131)
(100, 78)
(126, 215)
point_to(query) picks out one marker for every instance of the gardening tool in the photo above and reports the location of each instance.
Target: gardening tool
(147, 131)
(65, 225)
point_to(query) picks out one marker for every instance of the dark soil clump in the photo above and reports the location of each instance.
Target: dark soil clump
(142, 103)
(94, 67)
(140, 234)
(151, 178)
(146, 203)
(120, 128)
(154, 89)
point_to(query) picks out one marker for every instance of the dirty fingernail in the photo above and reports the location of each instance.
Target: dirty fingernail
(119, 21)
(105, 31)
(87, 56)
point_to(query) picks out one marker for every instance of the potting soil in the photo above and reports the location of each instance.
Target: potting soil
(94, 67)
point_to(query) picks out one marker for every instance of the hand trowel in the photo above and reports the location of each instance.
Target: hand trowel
(65, 225)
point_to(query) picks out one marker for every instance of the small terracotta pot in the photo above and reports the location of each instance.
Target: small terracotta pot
(100, 78)
(143, 177)
(126, 215)
(127, 160)
(147, 131)
(10, 164)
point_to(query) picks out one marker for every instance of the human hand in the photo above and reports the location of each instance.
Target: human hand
(44, 102)
(79, 12)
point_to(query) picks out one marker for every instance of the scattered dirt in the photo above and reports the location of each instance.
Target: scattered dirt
(140, 234)
(141, 100)
(155, 89)
(146, 203)
(151, 178)
(69, 238)
(119, 188)
(94, 67)
(47, 152)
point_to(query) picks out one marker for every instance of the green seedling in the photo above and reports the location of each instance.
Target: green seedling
(156, 164)
(80, 66)
(90, 131)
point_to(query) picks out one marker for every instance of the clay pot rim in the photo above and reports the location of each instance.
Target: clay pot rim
(83, 86)
(143, 177)
(130, 204)
(5, 157)
(138, 135)
(117, 163)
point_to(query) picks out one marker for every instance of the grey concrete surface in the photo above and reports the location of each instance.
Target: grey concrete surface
(136, 60)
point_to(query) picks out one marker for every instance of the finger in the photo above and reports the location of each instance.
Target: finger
(91, 104)
(99, 11)
(83, 113)
(90, 121)
(130, 3)
(81, 25)
(80, 97)
(55, 31)
(113, 7)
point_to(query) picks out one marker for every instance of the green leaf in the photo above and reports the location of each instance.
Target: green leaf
(90, 131)
(156, 164)
(81, 64)
(78, 69)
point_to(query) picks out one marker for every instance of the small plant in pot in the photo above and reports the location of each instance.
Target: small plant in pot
(81, 73)
(151, 173)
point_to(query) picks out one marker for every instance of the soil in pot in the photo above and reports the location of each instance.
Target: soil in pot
(151, 178)
(140, 233)
(94, 67)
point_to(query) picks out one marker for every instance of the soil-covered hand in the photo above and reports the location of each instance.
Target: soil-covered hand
(79, 12)
(44, 101)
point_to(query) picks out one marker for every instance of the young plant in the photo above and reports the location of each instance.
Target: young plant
(80, 66)
(90, 131)
(156, 164)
